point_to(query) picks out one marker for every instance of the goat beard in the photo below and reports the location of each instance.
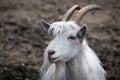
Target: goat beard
(60, 71)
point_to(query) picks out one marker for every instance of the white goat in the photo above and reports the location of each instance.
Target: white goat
(68, 56)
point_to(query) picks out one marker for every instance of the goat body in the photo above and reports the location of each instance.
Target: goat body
(68, 56)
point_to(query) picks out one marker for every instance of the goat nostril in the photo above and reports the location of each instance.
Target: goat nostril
(51, 52)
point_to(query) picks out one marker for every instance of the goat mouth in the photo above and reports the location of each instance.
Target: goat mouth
(53, 60)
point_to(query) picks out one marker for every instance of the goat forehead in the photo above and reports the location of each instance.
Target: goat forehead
(58, 28)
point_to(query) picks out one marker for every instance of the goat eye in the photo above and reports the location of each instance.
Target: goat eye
(72, 37)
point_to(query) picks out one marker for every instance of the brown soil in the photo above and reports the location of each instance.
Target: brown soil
(22, 41)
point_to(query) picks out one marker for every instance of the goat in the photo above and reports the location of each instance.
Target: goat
(68, 56)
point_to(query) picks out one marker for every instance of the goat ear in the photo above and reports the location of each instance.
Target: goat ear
(45, 25)
(83, 31)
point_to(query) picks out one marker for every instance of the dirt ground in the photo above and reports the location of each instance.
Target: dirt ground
(22, 41)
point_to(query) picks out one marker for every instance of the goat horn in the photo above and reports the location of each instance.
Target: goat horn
(84, 11)
(69, 13)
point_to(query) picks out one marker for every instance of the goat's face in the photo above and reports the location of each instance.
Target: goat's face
(66, 41)
(67, 35)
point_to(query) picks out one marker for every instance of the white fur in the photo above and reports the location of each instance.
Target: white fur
(77, 61)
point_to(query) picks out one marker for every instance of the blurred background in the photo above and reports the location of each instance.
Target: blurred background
(22, 41)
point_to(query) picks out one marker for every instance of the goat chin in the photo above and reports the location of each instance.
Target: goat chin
(85, 66)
